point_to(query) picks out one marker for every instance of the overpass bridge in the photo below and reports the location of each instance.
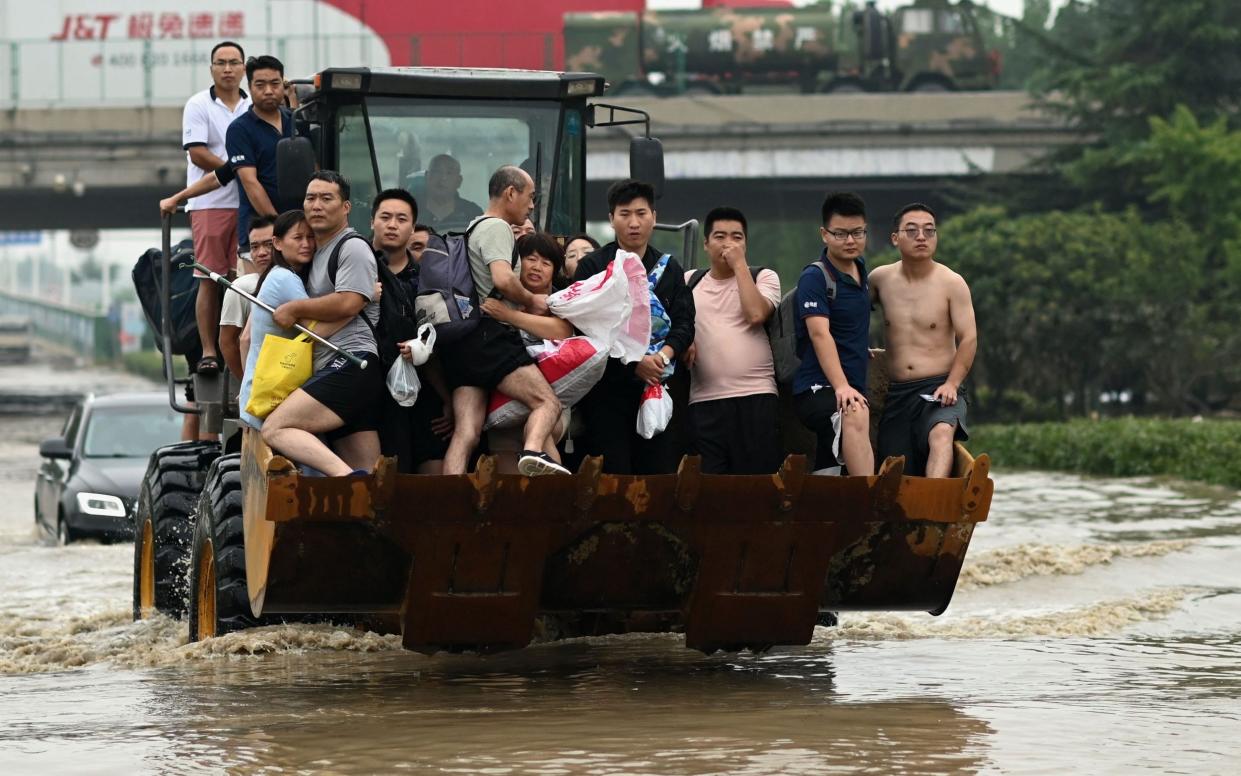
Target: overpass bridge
(771, 155)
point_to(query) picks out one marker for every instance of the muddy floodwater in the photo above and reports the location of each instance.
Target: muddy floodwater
(1096, 629)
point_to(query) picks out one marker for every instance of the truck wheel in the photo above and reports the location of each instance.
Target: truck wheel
(219, 601)
(164, 526)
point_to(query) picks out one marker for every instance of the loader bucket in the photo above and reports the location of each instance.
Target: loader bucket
(477, 561)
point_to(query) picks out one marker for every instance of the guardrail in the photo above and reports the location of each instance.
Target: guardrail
(146, 72)
(87, 333)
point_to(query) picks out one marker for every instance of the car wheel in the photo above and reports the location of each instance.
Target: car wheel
(64, 534)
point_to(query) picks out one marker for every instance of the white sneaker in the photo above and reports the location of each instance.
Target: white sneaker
(534, 464)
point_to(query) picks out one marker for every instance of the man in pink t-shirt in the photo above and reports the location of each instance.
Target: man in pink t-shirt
(733, 400)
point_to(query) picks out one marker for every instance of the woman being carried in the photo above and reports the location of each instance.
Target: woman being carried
(542, 262)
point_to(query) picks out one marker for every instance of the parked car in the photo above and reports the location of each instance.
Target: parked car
(91, 473)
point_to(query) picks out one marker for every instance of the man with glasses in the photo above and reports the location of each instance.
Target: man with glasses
(931, 340)
(236, 308)
(833, 332)
(213, 215)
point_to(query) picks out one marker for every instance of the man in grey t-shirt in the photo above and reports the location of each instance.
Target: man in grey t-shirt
(340, 401)
(493, 356)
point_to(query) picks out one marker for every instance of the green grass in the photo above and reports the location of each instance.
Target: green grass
(150, 364)
(1204, 451)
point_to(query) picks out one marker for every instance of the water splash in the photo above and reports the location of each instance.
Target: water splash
(1010, 564)
(1105, 618)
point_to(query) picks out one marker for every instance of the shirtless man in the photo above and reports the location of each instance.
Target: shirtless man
(931, 338)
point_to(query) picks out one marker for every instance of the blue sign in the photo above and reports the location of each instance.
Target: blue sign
(21, 238)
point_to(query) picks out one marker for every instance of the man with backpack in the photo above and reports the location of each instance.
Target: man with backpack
(341, 400)
(611, 408)
(492, 356)
(833, 331)
(733, 401)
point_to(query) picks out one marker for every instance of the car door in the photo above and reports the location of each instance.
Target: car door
(54, 472)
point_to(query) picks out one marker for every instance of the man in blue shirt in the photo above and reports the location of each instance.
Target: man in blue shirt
(251, 143)
(833, 333)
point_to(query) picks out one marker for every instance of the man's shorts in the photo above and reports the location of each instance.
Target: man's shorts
(739, 435)
(485, 356)
(354, 394)
(817, 411)
(907, 420)
(215, 239)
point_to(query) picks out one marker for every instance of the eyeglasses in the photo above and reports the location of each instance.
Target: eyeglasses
(254, 246)
(912, 232)
(227, 63)
(842, 235)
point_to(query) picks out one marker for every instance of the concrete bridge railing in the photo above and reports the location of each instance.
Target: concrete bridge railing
(88, 334)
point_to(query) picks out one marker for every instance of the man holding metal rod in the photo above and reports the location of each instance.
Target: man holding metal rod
(341, 400)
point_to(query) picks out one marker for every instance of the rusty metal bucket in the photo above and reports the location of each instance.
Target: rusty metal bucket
(475, 561)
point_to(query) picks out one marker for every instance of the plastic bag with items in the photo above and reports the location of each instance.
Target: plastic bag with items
(572, 366)
(403, 382)
(655, 412)
(612, 307)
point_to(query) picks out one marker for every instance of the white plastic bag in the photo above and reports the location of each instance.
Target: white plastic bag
(607, 308)
(571, 366)
(421, 346)
(655, 411)
(403, 382)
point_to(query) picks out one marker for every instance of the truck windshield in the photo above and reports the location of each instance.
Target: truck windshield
(444, 153)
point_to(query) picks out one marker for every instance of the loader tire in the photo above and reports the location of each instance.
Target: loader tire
(164, 526)
(219, 600)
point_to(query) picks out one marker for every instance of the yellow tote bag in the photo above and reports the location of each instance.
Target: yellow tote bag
(282, 366)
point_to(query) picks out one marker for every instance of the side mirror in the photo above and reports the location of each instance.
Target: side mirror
(646, 162)
(55, 448)
(295, 163)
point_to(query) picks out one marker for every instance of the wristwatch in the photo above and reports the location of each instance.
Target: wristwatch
(663, 357)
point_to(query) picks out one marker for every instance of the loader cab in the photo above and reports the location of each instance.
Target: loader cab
(384, 128)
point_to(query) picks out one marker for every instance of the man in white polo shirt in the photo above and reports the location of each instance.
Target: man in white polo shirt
(213, 216)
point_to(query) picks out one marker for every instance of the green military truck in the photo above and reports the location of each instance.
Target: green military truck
(930, 45)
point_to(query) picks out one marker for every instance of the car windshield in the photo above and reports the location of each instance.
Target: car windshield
(444, 152)
(130, 432)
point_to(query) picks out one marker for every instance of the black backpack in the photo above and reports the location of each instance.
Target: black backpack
(696, 278)
(396, 309)
(446, 294)
(782, 327)
(147, 276)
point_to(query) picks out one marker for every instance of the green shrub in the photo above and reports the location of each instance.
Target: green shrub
(150, 364)
(1203, 450)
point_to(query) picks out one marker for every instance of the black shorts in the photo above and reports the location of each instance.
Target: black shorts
(406, 431)
(907, 420)
(354, 394)
(815, 410)
(485, 356)
(739, 435)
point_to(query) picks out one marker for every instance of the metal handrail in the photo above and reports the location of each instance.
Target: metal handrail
(689, 241)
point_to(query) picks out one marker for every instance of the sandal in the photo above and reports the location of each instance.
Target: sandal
(207, 366)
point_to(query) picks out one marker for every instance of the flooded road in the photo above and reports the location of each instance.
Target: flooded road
(1097, 628)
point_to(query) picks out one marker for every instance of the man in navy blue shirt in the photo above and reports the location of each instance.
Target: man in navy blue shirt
(251, 143)
(833, 333)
